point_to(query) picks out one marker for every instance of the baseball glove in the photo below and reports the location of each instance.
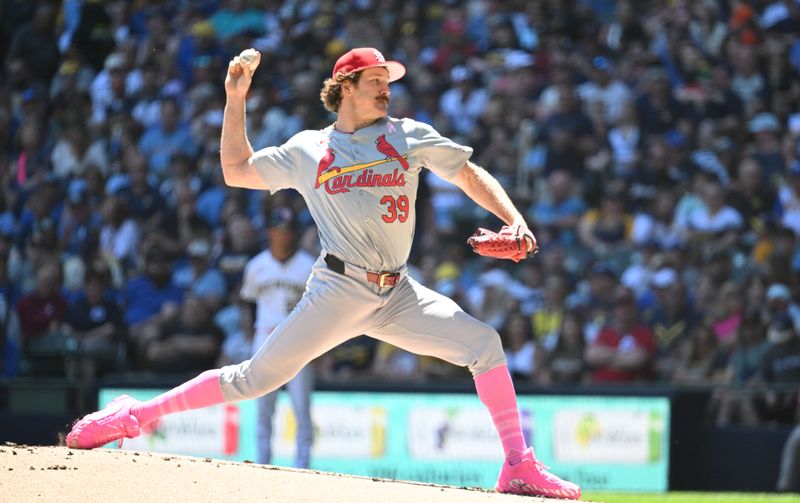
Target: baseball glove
(515, 243)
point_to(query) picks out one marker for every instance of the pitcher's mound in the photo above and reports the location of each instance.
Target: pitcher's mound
(54, 474)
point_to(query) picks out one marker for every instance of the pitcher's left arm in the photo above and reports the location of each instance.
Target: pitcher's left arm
(487, 192)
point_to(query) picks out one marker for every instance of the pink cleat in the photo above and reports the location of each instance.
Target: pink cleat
(115, 422)
(530, 477)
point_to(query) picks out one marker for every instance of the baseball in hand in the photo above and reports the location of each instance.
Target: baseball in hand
(249, 57)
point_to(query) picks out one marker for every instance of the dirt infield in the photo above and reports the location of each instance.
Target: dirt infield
(56, 474)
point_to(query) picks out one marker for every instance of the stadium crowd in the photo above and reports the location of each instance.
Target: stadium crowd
(653, 145)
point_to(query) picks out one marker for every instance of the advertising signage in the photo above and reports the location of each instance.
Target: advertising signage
(602, 443)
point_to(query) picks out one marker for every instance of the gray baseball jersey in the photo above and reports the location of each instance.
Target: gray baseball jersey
(363, 190)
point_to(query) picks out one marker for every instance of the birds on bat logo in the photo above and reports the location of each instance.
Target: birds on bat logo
(338, 179)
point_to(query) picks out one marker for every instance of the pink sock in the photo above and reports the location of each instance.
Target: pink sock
(496, 391)
(202, 391)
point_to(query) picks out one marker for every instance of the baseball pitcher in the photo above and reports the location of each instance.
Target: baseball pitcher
(359, 178)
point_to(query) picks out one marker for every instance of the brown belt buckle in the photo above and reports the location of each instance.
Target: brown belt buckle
(384, 279)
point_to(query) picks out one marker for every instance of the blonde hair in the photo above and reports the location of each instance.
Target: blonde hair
(331, 93)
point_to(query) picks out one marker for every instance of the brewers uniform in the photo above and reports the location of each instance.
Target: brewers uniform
(276, 287)
(361, 189)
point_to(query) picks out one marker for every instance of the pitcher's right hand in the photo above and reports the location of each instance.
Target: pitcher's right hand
(240, 76)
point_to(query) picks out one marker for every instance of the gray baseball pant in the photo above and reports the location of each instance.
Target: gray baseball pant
(337, 307)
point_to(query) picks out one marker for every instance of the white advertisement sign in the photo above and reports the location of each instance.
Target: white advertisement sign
(340, 431)
(616, 436)
(446, 433)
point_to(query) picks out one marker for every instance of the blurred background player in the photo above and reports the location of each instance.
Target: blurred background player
(274, 280)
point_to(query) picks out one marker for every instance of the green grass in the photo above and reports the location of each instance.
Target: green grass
(679, 497)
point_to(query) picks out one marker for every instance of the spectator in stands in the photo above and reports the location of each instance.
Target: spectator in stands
(74, 152)
(659, 111)
(119, 233)
(187, 343)
(236, 17)
(8, 196)
(147, 99)
(352, 360)
(754, 290)
(146, 204)
(40, 213)
(391, 363)
(40, 248)
(79, 225)
(698, 360)
(624, 350)
(181, 171)
(212, 199)
(556, 216)
(168, 137)
(654, 223)
(603, 89)
(566, 363)
(738, 401)
(567, 135)
(19, 88)
(672, 321)
(29, 162)
(199, 277)
(748, 83)
(240, 244)
(92, 35)
(155, 36)
(752, 197)
(95, 321)
(546, 319)
(41, 316)
(524, 355)
(780, 301)
(788, 205)
(766, 129)
(781, 366)
(488, 298)
(152, 301)
(465, 102)
(109, 91)
(726, 314)
(598, 304)
(782, 256)
(11, 338)
(606, 230)
(36, 43)
(196, 43)
(179, 223)
(625, 141)
(712, 226)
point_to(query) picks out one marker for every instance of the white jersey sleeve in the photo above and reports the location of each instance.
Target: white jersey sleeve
(277, 165)
(441, 155)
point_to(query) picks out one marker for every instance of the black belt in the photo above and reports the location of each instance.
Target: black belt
(382, 279)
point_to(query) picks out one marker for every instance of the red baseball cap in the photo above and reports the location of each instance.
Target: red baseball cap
(362, 58)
